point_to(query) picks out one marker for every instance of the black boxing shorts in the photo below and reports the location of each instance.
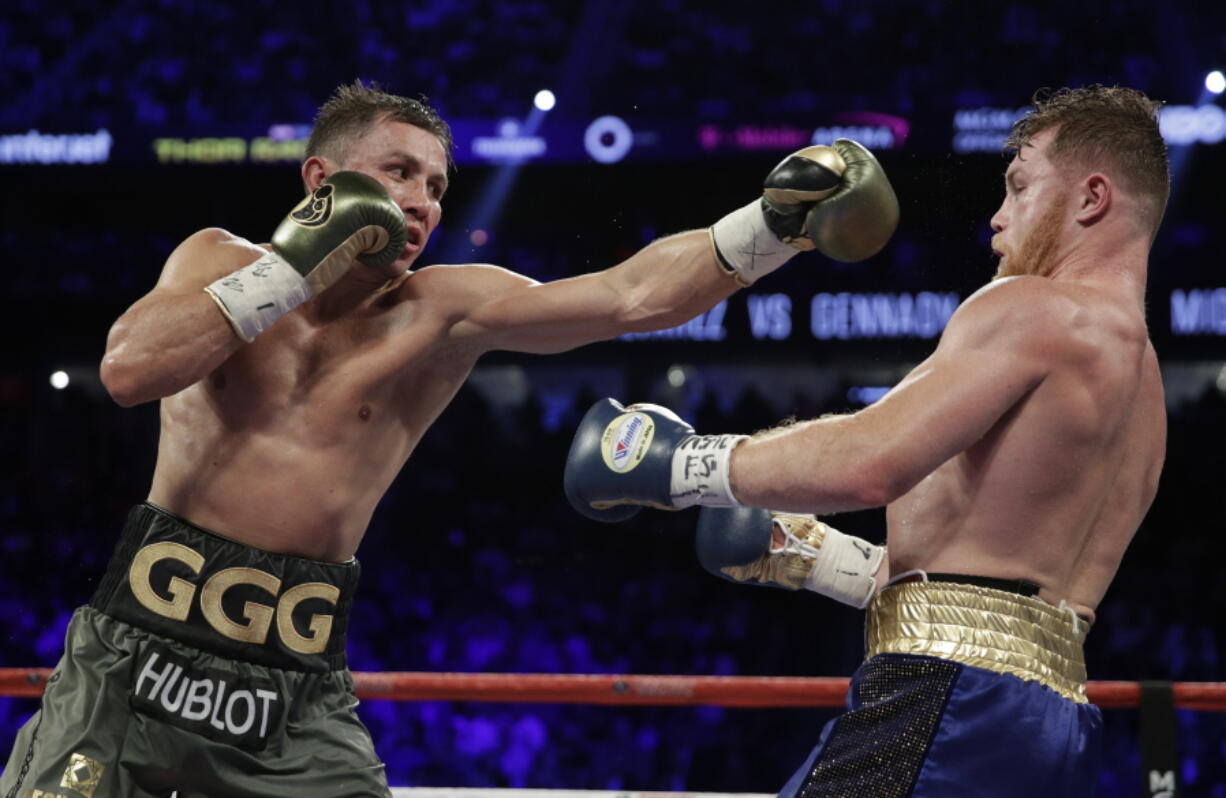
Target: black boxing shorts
(201, 666)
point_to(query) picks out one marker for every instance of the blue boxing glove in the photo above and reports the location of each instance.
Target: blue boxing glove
(790, 551)
(624, 458)
(732, 538)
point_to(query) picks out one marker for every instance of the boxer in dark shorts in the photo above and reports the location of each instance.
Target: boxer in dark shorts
(197, 658)
(295, 379)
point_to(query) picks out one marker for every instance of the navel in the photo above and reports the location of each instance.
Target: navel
(364, 412)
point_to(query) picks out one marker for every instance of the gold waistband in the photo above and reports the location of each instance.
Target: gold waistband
(993, 629)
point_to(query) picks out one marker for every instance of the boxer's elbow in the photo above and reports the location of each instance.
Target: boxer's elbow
(870, 489)
(125, 382)
(124, 370)
(886, 478)
(118, 382)
(875, 481)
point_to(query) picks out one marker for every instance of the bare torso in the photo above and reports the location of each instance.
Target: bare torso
(1054, 492)
(290, 444)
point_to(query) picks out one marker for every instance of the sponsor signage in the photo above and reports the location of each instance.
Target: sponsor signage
(842, 316)
(1198, 311)
(603, 139)
(34, 147)
(985, 129)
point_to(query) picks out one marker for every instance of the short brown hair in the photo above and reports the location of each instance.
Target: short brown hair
(1113, 127)
(355, 107)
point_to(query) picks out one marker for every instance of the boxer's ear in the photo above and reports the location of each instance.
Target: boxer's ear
(1094, 197)
(315, 171)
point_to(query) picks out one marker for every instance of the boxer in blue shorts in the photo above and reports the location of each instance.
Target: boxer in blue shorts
(1015, 463)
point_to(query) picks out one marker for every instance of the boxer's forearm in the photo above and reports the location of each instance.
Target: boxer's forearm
(833, 464)
(158, 348)
(668, 282)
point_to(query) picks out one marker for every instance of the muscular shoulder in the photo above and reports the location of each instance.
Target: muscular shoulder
(205, 256)
(462, 287)
(1030, 312)
(219, 242)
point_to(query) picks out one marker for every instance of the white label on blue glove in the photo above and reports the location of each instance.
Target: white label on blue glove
(625, 441)
(700, 471)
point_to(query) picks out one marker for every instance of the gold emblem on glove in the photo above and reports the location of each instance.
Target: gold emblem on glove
(315, 209)
(786, 567)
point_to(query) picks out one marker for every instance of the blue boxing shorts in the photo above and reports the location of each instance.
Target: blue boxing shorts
(966, 691)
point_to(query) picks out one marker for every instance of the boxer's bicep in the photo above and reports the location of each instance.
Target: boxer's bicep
(199, 260)
(522, 315)
(175, 333)
(987, 362)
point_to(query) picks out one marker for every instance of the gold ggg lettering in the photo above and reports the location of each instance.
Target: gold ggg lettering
(320, 625)
(259, 617)
(180, 605)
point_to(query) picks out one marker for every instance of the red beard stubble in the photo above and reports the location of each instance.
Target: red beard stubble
(1036, 255)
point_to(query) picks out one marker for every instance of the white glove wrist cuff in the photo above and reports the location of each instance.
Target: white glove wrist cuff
(845, 567)
(255, 296)
(700, 473)
(745, 246)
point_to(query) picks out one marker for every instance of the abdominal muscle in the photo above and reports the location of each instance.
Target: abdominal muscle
(1054, 492)
(282, 488)
(293, 457)
(938, 528)
(1031, 500)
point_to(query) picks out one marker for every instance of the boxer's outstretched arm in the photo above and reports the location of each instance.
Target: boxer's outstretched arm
(662, 285)
(835, 199)
(998, 346)
(175, 335)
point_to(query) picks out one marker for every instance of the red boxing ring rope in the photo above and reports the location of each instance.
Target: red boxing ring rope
(727, 691)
